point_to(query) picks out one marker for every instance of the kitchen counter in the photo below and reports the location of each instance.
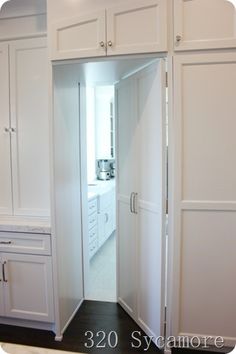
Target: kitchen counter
(25, 225)
(97, 187)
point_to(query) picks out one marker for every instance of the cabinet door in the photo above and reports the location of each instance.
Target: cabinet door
(1, 291)
(28, 290)
(137, 27)
(5, 159)
(204, 212)
(29, 119)
(141, 168)
(79, 37)
(194, 30)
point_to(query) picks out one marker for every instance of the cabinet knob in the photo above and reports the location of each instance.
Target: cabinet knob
(109, 43)
(178, 38)
(13, 130)
(102, 44)
(6, 130)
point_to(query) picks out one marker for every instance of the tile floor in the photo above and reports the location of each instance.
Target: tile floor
(102, 275)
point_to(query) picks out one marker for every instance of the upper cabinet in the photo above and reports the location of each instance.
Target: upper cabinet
(204, 24)
(131, 27)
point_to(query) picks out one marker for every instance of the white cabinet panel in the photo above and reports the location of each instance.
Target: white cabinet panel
(204, 24)
(29, 118)
(5, 160)
(208, 300)
(140, 102)
(204, 195)
(1, 291)
(79, 37)
(28, 292)
(137, 27)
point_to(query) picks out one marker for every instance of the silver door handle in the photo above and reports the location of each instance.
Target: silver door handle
(3, 272)
(135, 203)
(5, 242)
(131, 203)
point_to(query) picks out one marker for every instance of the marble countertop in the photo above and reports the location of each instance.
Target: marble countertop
(97, 187)
(23, 225)
(23, 349)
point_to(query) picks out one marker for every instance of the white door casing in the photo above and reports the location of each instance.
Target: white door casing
(5, 136)
(140, 102)
(204, 300)
(29, 119)
(204, 24)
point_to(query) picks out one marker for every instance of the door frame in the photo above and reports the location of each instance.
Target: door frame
(83, 169)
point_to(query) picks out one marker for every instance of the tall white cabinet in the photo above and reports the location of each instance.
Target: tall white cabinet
(24, 154)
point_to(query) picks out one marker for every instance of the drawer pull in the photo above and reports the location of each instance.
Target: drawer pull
(5, 242)
(92, 221)
(3, 272)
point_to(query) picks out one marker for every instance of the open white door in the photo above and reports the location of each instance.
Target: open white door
(141, 191)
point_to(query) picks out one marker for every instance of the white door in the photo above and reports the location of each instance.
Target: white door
(5, 151)
(204, 24)
(28, 290)
(138, 27)
(204, 214)
(140, 104)
(79, 37)
(29, 119)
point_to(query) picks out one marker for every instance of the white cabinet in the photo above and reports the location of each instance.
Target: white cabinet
(24, 140)
(106, 216)
(26, 287)
(204, 24)
(131, 27)
(5, 160)
(205, 195)
(92, 227)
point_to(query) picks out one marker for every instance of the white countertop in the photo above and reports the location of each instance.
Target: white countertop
(97, 187)
(25, 225)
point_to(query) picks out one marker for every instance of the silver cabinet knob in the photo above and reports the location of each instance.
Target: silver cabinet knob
(102, 44)
(7, 130)
(109, 43)
(13, 130)
(178, 38)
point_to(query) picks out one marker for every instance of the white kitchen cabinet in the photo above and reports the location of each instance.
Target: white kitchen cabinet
(26, 287)
(106, 213)
(92, 227)
(128, 28)
(5, 159)
(205, 196)
(204, 24)
(24, 139)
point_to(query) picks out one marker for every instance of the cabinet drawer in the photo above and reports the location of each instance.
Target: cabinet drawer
(93, 247)
(93, 234)
(25, 243)
(92, 220)
(92, 206)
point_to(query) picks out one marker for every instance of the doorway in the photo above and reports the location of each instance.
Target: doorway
(140, 180)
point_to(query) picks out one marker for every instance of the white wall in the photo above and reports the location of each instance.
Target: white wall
(90, 116)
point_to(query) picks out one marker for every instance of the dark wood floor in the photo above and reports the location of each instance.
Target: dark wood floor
(92, 316)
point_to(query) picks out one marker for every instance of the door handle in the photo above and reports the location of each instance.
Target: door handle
(135, 203)
(5, 242)
(3, 272)
(131, 202)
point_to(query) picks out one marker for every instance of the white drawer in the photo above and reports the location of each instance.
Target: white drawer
(93, 247)
(92, 220)
(92, 206)
(25, 243)
(93, 234)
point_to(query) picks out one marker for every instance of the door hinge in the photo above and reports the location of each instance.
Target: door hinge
(166, 79)
(165, 323)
